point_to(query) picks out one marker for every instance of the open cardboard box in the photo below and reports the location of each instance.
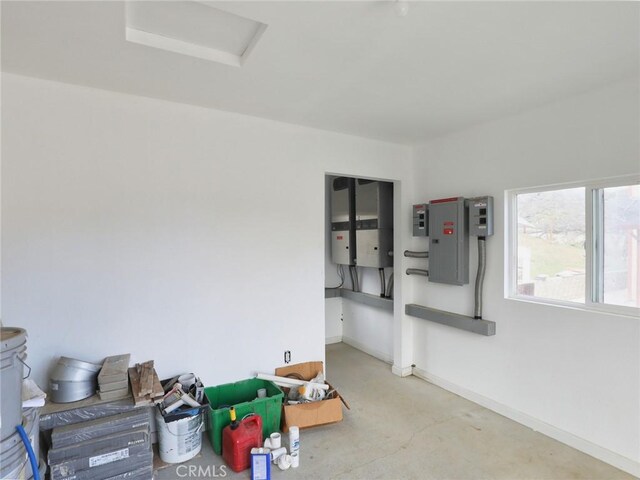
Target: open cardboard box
(305, 415)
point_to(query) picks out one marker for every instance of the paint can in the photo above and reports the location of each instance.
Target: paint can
(179, 440)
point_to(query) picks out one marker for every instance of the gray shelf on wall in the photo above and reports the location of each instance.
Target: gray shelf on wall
(331, 292)
(463, 322)
(360, 297)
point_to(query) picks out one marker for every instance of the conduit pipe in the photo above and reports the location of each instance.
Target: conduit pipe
(355, 283)
(417, 271)
(482, 266)
(288, 382)
(389, 291)
(409, 253)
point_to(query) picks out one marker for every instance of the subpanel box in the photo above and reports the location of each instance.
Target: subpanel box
(448, 241)
(373, 247)
(421, 220)
(343, 237)
(341, 252)
(481, 216)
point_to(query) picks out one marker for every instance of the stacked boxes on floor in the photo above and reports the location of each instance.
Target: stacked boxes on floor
(99, 442)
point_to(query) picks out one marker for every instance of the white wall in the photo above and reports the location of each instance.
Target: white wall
(333, 320)
(136, 225)
(575, 371)
(368, 329)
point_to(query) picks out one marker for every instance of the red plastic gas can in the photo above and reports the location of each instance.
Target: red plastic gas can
(237, 443)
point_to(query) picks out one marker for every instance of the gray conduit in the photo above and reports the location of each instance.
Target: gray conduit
(482, 265)
(409, 253)
(353, 280)
(383, 289)
(355, 283)
(389, 291)
(417, 271)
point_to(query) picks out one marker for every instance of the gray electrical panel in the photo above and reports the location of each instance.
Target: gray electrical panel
(374, 223)
(343, 239)
(448, 241)
(480, 216)
(421, 220)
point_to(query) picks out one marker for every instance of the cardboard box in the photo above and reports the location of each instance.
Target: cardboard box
(305, 415)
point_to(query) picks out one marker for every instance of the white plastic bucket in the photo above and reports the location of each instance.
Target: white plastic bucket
(31, 423)
(12, 353)
(180, 440)
(16, 472)
(14, 460)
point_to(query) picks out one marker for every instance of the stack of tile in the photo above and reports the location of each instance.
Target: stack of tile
(107, 448)
(113, 380)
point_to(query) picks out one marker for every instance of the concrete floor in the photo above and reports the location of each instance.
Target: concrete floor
(406, 428)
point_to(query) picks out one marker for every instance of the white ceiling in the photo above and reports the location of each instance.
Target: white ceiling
(352, 67)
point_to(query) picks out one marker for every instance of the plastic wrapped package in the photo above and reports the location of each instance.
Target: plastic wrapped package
(143, 473)
(102, 457)
(86, 431)
(55, 415)
(114, 469)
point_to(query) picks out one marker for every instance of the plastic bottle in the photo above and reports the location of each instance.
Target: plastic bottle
(239, 438)
(294, 446)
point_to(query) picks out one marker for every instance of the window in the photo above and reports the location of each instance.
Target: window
(577, 244)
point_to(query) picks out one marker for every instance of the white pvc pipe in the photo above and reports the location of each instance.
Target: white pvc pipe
(289, 382)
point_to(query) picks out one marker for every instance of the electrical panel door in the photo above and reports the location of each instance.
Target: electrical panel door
(448, 242)
(373, 247)
(340, 251)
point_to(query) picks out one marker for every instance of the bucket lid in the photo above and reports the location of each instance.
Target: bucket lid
(12, 337)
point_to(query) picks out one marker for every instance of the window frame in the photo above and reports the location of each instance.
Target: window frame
(594, 230)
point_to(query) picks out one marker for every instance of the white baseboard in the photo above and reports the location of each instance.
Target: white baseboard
(330, 340)
(370, 351)
(623, 463)
(402, 371)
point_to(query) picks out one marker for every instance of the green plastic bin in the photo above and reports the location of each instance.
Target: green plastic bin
(243, 396)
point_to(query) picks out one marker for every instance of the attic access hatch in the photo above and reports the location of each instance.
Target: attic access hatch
(192, 28)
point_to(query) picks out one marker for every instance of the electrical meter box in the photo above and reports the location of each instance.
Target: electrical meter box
(448, 241)
(374, 223)
(343, 239)
(481, 216)
(421, 220)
